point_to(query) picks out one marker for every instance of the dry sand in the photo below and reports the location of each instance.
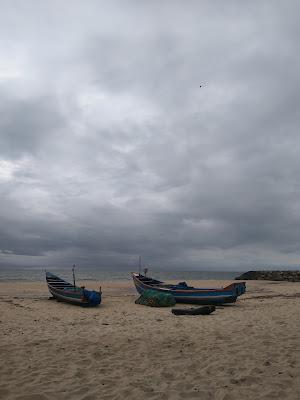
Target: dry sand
(121, 350)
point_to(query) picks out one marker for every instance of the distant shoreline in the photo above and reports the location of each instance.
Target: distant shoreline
(93, 274)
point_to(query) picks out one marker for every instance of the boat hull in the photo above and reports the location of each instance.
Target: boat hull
(192, 295)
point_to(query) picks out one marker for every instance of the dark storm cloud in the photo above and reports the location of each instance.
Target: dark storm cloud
(110, 149)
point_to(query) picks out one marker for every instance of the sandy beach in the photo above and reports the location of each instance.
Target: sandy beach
(121, 350)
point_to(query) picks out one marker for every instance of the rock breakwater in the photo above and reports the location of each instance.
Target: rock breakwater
(291, 276)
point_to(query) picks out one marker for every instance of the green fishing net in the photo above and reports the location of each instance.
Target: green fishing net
(153, 298)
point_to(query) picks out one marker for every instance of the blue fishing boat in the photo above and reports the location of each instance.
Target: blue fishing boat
(188, 294)
(70, 293)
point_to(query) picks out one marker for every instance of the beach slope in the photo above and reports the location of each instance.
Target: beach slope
(121, 350)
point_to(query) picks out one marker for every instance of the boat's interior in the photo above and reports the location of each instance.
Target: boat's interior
(59, 283)
(154, 282)
(149, 281)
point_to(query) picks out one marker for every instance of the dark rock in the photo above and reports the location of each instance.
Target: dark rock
(291, 276)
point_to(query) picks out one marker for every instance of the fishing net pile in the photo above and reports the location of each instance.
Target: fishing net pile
(152, 298)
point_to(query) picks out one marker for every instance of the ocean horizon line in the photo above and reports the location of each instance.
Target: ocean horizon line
(89, 274)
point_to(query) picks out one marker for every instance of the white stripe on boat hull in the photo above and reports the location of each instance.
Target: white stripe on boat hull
(65, 298)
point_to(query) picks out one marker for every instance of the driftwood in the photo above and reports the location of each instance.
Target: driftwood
(194, 311)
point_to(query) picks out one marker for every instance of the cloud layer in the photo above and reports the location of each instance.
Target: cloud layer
(109, 148)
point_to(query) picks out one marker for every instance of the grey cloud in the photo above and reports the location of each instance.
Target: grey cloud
(110, 149)
(26, 125)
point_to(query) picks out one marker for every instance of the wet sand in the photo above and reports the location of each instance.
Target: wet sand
(120, 350)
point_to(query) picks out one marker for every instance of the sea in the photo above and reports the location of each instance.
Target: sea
(99, 274)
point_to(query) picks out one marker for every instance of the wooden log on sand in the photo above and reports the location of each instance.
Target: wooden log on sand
(205, 310)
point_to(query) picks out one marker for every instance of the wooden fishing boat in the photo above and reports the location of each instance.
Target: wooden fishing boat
(65, 291)
(188, 294)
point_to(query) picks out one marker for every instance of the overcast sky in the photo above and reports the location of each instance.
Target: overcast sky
(109, 148)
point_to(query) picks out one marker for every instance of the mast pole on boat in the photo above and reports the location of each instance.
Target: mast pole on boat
(73, 269)
(140, 265)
